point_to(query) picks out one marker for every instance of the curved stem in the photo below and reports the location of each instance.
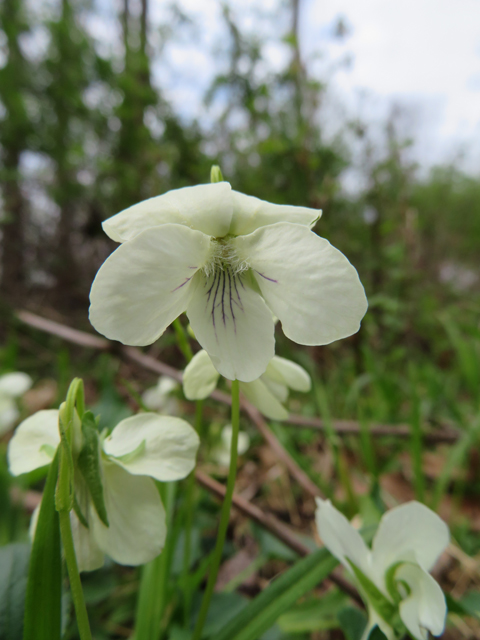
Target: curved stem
(225, 516)
(74, 576)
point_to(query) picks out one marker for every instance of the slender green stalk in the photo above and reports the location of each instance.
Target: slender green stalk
(225, 515)
(182, 340)
(152, 597)
(74, 576)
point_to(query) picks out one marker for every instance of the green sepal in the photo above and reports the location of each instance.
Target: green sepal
(64, 490)
(385, 609)
(391, 583)
(89, 465)
(43, 599)
(216, 174)
(79, 513)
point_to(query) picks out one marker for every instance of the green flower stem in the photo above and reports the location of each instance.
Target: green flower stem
(225, 516)
(189, 508)
(74, 576)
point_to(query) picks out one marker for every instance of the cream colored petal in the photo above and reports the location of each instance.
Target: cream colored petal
(425, 607)
(250, 213)
(15, 384)
(146, 283)
(149, 444)
(159, 398)
(308, 284)
(233, 324)
(409, 528)
(200, 377)
(206, 208)
(340, 538)
(34, 442)
(89, 555)
(261, 397)
(285, 371)
(136, 517)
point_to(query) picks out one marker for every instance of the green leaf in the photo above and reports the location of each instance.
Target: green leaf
(260, 614)
(13, 583)
(89, 464)
(43, 600)
(352, 622)
(315, 614)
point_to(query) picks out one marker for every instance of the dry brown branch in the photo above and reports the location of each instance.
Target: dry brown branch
(275, 527)
(446, 434)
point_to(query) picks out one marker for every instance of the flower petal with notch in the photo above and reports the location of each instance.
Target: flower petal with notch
(269, 393)
(392, 576)
(138, 450)
(230, 261)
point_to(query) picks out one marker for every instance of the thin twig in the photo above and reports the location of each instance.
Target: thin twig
(294, 469)
(275, 527)
(446, 434)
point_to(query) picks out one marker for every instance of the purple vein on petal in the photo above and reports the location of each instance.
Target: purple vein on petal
(266, 277)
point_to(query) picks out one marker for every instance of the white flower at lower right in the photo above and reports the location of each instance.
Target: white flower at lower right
(393, 576)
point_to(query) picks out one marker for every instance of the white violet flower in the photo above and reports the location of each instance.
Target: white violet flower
(269, 393)
(160, 398)
(123, 517)
(231, 261)
(393, 577)
(12, 386)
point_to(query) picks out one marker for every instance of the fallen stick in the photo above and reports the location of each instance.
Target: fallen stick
(447, 434)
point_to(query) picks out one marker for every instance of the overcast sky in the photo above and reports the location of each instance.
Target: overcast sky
(423, 54)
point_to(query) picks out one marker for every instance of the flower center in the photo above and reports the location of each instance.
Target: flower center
(223, 257)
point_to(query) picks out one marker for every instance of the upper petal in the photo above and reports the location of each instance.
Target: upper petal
(162, 447)
(200, 377)
(14, 384)
(250, 213)
(409, 528)
(425, 607)
(233, 324)
(340, 538)
(136, 516)
(308, 284)
(145, 284)
(261, 397)
(206, 208)
(34, 441)
(289, 373)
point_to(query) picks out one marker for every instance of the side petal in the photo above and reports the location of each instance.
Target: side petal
(308, 284)
(250, 213)
(233, 324)
(409, 528)
(148, 444)
(136, 516)
(340, 538)
(289, 373)
(200, 377)
(15, 384)
(261, 397)
(206, 208)
(89, 555)
(425, 607)
(145, 284)
(34, 442)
